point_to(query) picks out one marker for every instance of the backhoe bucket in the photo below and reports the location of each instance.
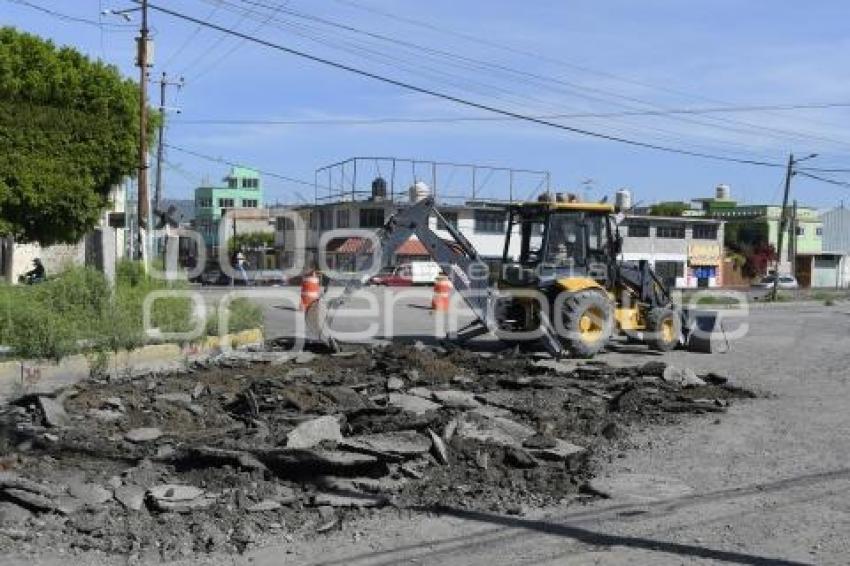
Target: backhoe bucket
(702, 331)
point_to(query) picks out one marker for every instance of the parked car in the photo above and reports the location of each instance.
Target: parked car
(785, 282)
(406, 274)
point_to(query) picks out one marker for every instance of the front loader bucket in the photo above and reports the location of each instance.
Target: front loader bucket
(702, 331)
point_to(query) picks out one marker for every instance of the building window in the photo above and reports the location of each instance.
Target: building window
(249, 203)
(225, 203)
(314, 219)
(819, 232)
(342, 218)
(671, 231)
(451, 220)
(326, 219)
(250, 183)
(232, 183)
(371, 217)
(489, 221)
(638, 230)
(801, 231)
(284, 223)
(705, 232)
(205, 202)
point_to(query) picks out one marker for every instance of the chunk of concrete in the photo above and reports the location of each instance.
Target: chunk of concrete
(555, 366)
(439, 447)
(263, 506)
(402, 443)
(300, 373)
(105, 415)
(90, 494)
(686, 377)
(395, 384)
(312, 432)
(144, 434)
(349, 499)
(54, 413)
(176, 398)
(562, 451)
(412, 403)
(304, 357)
(455, 399)
(130, 496)
(179, 498)
(491, 429)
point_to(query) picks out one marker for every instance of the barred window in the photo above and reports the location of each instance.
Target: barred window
(638, 230)
(705, 232)
(371, 217)
(489, 221)
(671, 231)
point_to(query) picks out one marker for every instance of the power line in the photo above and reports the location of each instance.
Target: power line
(526, 75)
(824, 170)
(67, 17)
(825, 179)
(458, 100)
(537, 56)
(453, 119)
(235, 164)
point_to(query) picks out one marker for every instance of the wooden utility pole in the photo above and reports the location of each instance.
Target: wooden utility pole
(142, 62)
(783, 224)
(792, 241)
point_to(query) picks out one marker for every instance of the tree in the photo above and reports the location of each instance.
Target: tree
(68, 133)
(251, 241)
(668, 209)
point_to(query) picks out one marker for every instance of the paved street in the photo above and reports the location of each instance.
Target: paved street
(767, 483)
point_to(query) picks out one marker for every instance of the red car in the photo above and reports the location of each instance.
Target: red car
(400, 276)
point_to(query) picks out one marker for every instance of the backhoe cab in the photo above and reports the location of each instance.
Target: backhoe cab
(569, 253)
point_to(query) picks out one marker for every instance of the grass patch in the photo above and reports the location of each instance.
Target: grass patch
(244, 315)
(77, 311)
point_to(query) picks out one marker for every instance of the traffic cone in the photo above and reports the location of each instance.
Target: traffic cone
(442, 290)
(310, 290)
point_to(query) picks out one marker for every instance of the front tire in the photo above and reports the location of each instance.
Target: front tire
(665, 328)
(588, 318)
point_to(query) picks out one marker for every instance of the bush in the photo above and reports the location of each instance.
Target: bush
(76, 311)
(243, 315)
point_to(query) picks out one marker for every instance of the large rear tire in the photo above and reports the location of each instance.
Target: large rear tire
(588, 318)
(664, 327)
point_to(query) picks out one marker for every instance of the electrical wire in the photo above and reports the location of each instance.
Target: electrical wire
(525, 75)
(537, 56)
(825, 179)
(189, 39)
(454, 119)
(457, 99)
(235, 164)
(67, 17)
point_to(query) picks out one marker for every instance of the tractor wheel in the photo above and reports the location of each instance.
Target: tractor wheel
(588, 318)
(664, 327)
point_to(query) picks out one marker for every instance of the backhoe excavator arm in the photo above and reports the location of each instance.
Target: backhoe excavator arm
(458, 259)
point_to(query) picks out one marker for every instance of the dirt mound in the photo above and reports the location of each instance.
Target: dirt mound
(267, 444)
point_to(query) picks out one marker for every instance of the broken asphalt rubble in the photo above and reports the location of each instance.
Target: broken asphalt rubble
(272, 444)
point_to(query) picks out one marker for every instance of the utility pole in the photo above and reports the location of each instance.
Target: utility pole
(783, 219)
(163, 84)
(142, 62)
(792, 239)
(783, 224)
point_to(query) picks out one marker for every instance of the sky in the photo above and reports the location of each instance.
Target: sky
(566, 58)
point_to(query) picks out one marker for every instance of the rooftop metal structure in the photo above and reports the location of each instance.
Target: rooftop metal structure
(449, 183)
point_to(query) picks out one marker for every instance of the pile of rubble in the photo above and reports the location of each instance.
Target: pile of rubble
(274, 444)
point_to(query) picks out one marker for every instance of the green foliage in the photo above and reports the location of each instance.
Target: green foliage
(68, 133)
(251, 241)
(243, 315)
(668, 209)
(76, 311)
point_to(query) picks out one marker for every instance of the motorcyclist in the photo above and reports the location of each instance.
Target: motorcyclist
(37, 274)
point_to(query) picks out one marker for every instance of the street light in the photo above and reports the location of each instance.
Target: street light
(122, 13)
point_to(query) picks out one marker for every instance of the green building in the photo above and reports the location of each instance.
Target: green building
(242, 188)
(750, 225)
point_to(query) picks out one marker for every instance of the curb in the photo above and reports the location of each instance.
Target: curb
(44, 377)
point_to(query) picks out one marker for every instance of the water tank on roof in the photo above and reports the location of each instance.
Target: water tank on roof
(419, 191)
(723, 192)
(546, 196)
(379, 189)
(623, 199)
